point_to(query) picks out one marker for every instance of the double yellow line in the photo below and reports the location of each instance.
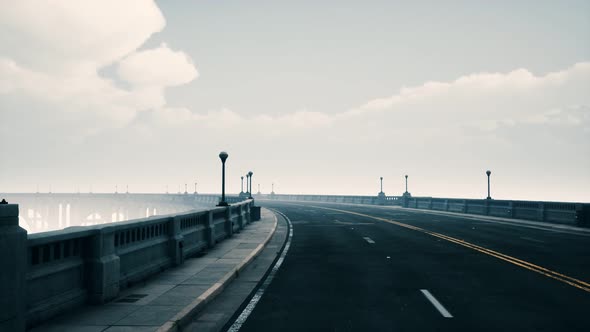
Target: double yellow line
(513, 260)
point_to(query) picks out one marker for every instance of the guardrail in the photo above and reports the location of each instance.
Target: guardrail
(45, 274)
(575, 214)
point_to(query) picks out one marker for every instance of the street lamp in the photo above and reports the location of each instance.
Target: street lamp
(381, 184)
(223, 156)
(250, 191)
(406, 183)
(488, 174)
(195, 188)
(242, 185)
(185, 189)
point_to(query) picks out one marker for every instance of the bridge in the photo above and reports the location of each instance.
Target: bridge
(355, 262)
(41, 212)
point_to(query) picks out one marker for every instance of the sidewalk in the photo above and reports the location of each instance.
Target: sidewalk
(176, 294)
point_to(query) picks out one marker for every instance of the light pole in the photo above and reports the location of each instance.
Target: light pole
(381, 184)
(195, 188)
(250, 191)
(258, 189)
(223, 156)
(488, 172)
(406, 183)
(242, 185)
(185, 189)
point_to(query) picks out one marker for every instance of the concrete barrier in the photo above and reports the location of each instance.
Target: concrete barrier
(567, 213)
(50, 273)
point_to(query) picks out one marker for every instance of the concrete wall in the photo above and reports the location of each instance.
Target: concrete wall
(575, 214)
(53, 272)
(373, 200)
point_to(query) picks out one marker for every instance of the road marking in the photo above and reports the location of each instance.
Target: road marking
(368, 239)
(519, 262)
(531, 239)
(444, 312)
(256, 298)
(338, 222)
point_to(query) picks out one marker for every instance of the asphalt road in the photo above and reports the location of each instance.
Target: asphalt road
(364, 268)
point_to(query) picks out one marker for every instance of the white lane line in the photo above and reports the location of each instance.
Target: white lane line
(368, 239)
(258, 295)
(436, 304)
(531, 239)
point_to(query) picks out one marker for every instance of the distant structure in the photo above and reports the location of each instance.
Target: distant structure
(243, 194)
(381, 195)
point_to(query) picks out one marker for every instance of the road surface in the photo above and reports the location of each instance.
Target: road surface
(369, 268)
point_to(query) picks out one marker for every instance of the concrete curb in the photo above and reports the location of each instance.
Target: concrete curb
(184, 317)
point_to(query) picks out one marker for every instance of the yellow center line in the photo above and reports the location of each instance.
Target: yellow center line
(513, 260)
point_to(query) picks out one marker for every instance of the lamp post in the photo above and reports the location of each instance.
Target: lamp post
(195, 188)
(258, 189)
(223, 156)
(488, 173)
(381, 178)
(242, 185)
(247, 184)
(185, 189)
(406, 183)
(250, 189)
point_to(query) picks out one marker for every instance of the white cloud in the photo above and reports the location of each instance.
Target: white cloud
(480, 99)
(157, 67)
(68, 35)
(52, 53)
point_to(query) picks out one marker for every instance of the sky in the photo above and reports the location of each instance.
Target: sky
(315, 97)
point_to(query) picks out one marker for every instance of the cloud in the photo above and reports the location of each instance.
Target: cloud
(53, 54)
(484, 99)
(157, 67)
(58, 36)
